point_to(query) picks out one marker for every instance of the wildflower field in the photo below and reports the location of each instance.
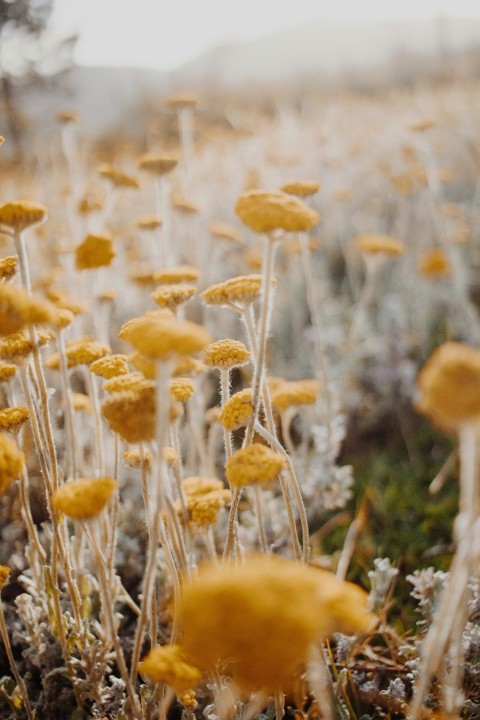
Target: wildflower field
(240, 405)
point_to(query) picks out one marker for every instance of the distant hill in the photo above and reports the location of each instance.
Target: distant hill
(103, 95)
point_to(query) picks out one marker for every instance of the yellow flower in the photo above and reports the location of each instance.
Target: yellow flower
(374, 243)
(65, 117)
(237, 411)
(8, 267)
(225, 354)
(223, 231)
(18, 308)
(161, 338)
(110, 366)
(301, 188)
(434, 263)
(84, 499)
(288, 394)
(203, 508)
(85, 351)
(4, 573)
(178, 274)
(19, 345)
(12, 418)
(253, 464)
(171, 296)
(131, 414)
(12, 461)
(95, 251)
(158, 164)
(150, 222)
(196, 485)
(182, 100)
(241, 289)
(449, 385)
(265, 212)
(133, 322)
(22, 214)
(80, 401)
(167, 664)
(182, 389)
(183, 205)
(117, 177)
(7, 371)
(261, 617)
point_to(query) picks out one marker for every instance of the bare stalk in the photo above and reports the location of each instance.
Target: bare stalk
(18, 678)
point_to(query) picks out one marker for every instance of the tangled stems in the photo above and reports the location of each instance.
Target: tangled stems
(18, 678)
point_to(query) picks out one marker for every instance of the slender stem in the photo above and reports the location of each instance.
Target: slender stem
(71, 441)
(18, 679)
(279, 704)
(257, 495)
(232, 524)
(31, 529)
(224, 398)
(97, 419)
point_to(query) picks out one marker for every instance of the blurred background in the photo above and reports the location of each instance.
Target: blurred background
(111, 60)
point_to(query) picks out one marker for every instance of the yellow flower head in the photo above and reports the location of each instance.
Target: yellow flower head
(18, 308)
(237, 411)
(225, 354)
(127, 381)
(12, 418)
(182, 100)
(85, 351)
(374, 243)
(90, 202)
(66, 117)
(203, 508)
(178, 274)
(117, 177)
(195, 485)
(158, 164)
(80, 401)
(7, 371)
(301, 188)
(110, 366)
(84, 499)
(167, 664)
(8, 267)
(273, 608)
(253, 464)
(171, 296)
(241, 289)
(149, 222)
(264, 212)
(94, 252)
(434, 263)
(22, 214)
(133, 322)
(223, 231)
(449, 385)
(4, 574)
(131, 414)
(183, 205)
(182, 389)
(161, 338)
(288, 394)
(12, 461)
(18, 345)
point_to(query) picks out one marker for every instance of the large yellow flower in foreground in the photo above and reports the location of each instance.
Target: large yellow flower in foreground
(261, 618)
(449, 385)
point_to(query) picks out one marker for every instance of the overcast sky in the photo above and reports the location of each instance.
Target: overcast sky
(165, 33)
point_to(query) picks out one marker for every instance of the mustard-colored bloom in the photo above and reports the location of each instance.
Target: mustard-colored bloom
(22, 214)
(290, 394)
(253, 464)
(167, 664)
(238, 410)
(265, 212)
(94, 252)
(110, 366)
(301, 188)
(225, 354)
(84, 499)
(375, 243)
(12, 461)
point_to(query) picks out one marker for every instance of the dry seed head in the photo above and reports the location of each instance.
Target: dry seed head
(84, 499)
(150, 222)
(374, 243)
(158, 164)
(12, 461)
(166, 664)
(449, 385)
(171, 296)
(161, 338)
(253, 464)
(18, 308)
(8, 267)
(225, 354)
(7, 371)
(291, 394)
(273, 608)
(223, 231)
(19, 345)
(12, 418)
(4, 570)
(181, 389)
(183, 205)
(237, 411)
(301, 188)
(94, 252)
(264, 212)
(179, 274)
(110, 366)
(22, 214)
(434, 263)
(117, 177)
